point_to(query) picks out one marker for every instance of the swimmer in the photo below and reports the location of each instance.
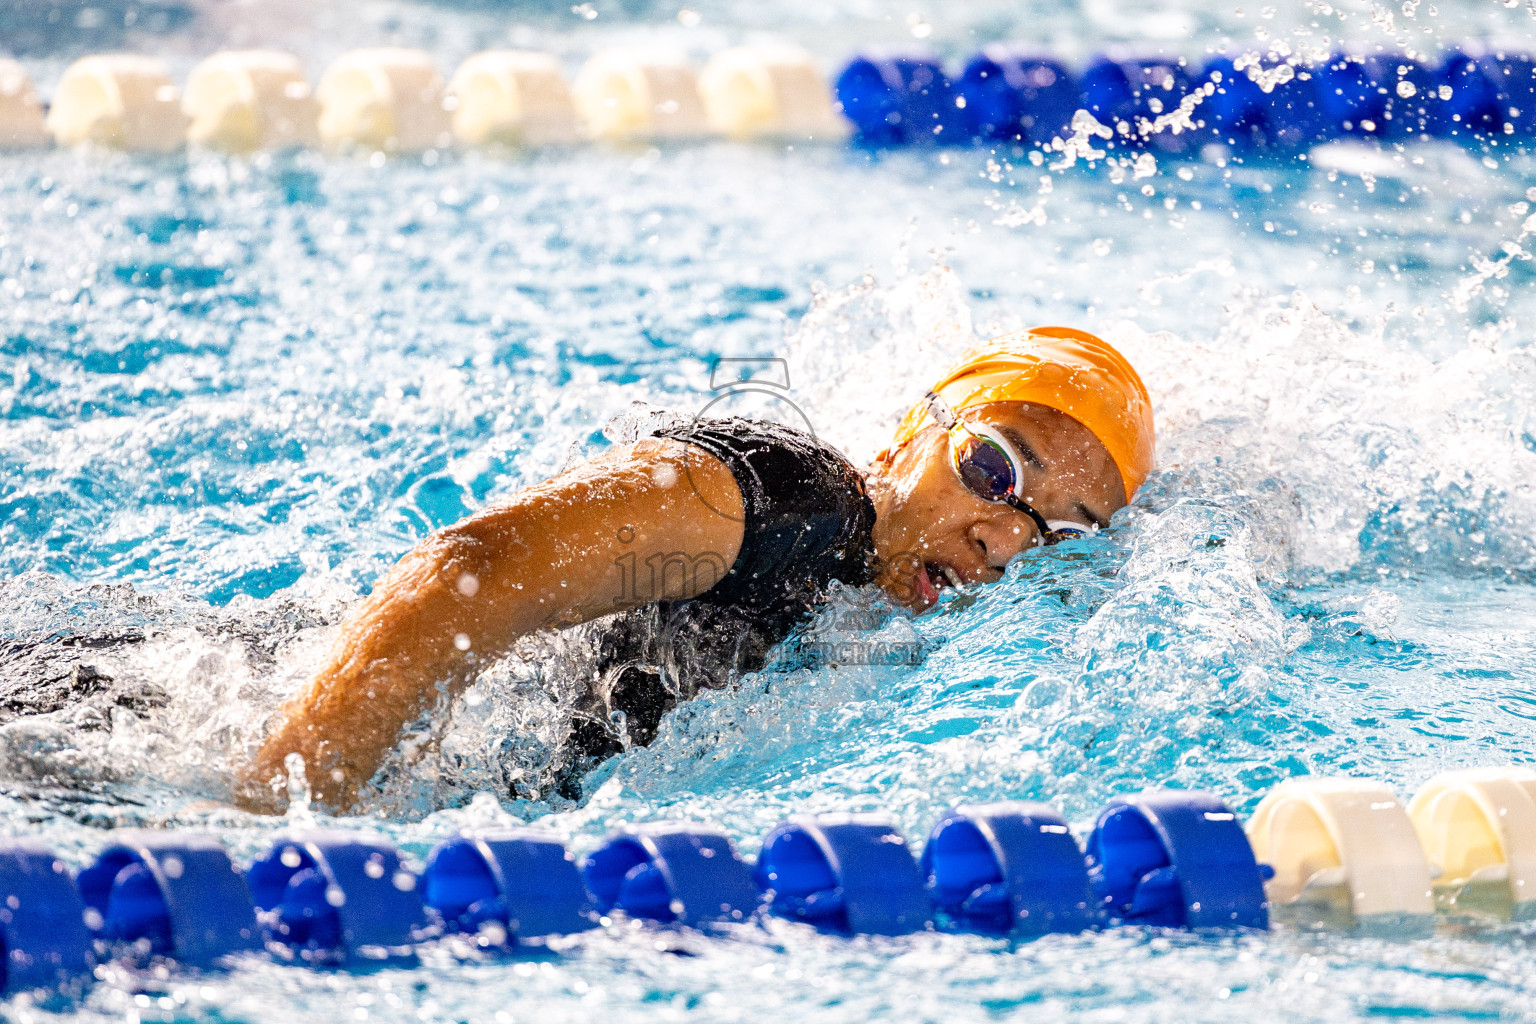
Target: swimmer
(708, 543)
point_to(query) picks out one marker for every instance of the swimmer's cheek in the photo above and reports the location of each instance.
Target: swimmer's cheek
(899, 579)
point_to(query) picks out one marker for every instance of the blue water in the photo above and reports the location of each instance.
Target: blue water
(232, 393)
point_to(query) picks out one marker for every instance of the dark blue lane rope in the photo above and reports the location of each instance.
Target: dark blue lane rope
(1165, 857)
(1015, 95)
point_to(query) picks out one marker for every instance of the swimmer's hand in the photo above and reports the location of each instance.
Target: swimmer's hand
(562, 552)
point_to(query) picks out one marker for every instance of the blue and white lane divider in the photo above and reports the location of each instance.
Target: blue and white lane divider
(1011, 95)
(1337, 849)
(394, 100)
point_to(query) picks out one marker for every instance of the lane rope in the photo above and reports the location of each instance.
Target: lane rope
(1338, 852)
(394, 100)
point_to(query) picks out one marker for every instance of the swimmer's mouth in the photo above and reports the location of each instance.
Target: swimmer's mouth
(943, 576)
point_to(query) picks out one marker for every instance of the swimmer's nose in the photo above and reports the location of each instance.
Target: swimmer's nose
(998, 540)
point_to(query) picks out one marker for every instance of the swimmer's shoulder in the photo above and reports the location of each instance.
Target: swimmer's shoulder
(736, 439)
(808, 517)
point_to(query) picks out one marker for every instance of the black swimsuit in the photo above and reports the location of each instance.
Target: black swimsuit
(808, 522)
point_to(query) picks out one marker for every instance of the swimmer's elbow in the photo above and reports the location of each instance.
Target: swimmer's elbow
(450, 545)
(440, 560)
(466, 556)
(467, 546)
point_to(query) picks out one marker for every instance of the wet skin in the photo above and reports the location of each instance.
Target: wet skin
(928, 525)
(560, 552)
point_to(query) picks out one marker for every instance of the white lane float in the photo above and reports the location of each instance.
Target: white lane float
(388, 100)
(241, 101)
(1344, 852)
(512, 98)
(118, 100)
(769, 92)
(1479, 826)
(628, 95)
(21, 115)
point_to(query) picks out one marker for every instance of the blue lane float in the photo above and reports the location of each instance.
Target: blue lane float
(1473, 107)
(1348, 96)
(337, 895)
(172, 895)
(1008, 867)
(521, 881)
(1177, 859)
(669, 872)
(849, 873)
(1514, 79)
(1016, 95)
(1129, 92)
(1238, 112)
(900, 100)
(42, 920)
(1413, 97)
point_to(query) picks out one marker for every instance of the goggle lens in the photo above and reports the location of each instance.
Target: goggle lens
(984, 468)
(1060, 532)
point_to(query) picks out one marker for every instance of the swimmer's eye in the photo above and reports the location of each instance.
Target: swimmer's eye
(991, 469)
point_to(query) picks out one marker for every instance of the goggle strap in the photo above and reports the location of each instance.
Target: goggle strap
(940, 411)
(1042, 528)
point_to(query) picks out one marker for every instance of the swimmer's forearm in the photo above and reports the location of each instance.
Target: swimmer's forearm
(382, 672)
(565, 551)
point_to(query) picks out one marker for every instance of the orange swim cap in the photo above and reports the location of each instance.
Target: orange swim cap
(1070, 371)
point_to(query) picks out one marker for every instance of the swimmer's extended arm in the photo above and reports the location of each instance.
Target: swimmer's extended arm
(553, 555)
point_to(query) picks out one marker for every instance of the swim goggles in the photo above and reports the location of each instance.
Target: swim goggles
(992, 469)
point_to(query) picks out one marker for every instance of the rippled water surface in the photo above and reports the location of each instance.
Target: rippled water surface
(232, 393)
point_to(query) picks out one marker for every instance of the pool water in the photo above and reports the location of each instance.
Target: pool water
(233, 392)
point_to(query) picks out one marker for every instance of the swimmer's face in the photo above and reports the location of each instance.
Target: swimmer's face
(931, 532)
